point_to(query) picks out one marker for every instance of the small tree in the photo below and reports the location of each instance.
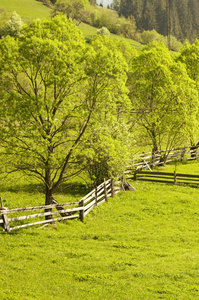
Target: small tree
(13, 26)
(103, 31)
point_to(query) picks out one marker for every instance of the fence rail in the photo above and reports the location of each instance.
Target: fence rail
(161, 157)
(22, 216)
(165, 177)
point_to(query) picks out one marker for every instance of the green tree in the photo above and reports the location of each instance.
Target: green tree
(164, 98)
(103, 31)
(13, 26)
(74, 9)
(53, 85)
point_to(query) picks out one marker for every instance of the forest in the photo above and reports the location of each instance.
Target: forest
(153, 14)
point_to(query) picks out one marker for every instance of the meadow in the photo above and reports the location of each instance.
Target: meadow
(139, 245)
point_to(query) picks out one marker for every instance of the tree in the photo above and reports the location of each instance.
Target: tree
(53, 85)
(103, 31)
(13, 26)
(189, 56)
(74, 9)
(164, 98)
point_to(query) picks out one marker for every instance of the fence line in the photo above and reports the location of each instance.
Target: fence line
(161, 157)
(79, 209)
(165, 177)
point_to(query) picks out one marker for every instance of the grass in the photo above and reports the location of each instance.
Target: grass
(32, 9)
(27, 9)
(187, 167)
(141, 245)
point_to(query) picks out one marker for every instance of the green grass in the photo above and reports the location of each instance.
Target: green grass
(141, 245)
(90, 31)
(32, 9)
(187, 167)
(27, 9)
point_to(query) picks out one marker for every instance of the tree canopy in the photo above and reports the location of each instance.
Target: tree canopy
(164, 98)
(53, 86)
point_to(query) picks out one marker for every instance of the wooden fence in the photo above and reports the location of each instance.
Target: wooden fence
(161, 157)
(11, 219)
(165, 177)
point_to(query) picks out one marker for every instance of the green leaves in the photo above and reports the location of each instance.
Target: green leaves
(163, 96)
(57, 87)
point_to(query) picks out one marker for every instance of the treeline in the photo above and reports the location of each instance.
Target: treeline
(70, 107)
(116, 22)
(152, 14)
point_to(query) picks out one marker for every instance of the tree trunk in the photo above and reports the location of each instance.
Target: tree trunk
(48, 192)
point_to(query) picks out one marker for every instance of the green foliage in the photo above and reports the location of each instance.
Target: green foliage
(54, 86)
(103, 31)
(13, 26)
(160, 89)
(152, 14)
(74, 9)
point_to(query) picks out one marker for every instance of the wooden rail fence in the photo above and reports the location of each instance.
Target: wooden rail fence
(165, 177)
(11, 219)
(161, 157)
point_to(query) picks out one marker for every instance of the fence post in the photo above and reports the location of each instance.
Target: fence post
(6, 224)
(112, 188)
(81, 212)
(96, 196)
(135, 175)
(105, 191)
(182, 154)
(175, 181)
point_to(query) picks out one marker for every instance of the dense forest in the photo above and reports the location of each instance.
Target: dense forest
(152, 14)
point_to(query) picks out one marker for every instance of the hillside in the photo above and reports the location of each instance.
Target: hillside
(32, 9)
(153, 14)
(27, 9)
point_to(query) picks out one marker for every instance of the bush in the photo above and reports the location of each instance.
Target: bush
(103, 31)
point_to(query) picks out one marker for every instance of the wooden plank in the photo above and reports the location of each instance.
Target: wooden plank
(155, 173)
(44, 214)
(89, 205)
(45, 222)
(153, 180)
(151, 176)
(86, 200)
(100, 197)
(87, 212)
(40, 207)
(187, 175)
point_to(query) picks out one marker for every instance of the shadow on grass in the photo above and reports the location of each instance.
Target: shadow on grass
(73, 189)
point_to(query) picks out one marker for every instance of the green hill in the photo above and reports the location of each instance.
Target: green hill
(27, 9)
(32, 9)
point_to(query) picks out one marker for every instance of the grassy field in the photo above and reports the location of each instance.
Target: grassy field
(141, 245)
(27, 9)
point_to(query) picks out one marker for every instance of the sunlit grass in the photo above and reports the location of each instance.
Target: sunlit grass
(27, 9)
(141, 245)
